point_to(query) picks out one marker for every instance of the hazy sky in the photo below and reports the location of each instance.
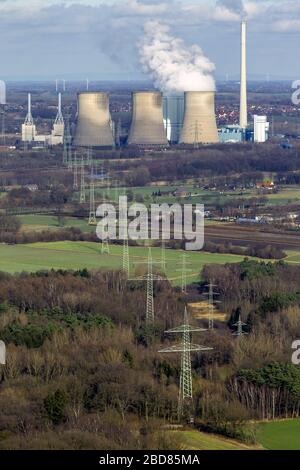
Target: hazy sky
(99, 38)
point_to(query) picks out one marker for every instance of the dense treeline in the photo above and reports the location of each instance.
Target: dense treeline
(83, 371)
(272, 391)
(267, 297)
(217, 161)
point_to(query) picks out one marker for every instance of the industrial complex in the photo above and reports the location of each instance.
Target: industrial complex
(157, 120)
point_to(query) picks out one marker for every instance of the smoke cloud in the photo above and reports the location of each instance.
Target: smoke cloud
(173, 66)
(234, 6)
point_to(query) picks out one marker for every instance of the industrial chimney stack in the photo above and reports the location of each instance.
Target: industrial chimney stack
(28, 128)
(147, 126)
(94, 127)
(243, 91)
(199, 123)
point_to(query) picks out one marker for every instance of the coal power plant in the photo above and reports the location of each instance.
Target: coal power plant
(147, 126)
(199, 122)
(94, 124)
(151, 125)
(183, 115)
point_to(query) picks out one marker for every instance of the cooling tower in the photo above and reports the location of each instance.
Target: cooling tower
(243, 90)
(94, 122)
(147, 126)
(199, 122)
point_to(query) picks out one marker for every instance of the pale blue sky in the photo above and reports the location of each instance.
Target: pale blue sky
(99, 38)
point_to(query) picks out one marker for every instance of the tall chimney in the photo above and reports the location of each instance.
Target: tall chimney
(94, 122)
(199, 123)
(243, 91)
(147, 126)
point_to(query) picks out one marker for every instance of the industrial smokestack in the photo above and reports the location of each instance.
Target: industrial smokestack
(94, 122)
(147, 126)
(243, 91)
(199, 123)
(28, 128)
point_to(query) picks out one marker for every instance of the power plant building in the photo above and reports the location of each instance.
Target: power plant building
(29, 132)
(94, 124)
(147, 126)
(199, 123)
(261, 129)
(173, 109)
(231, 134)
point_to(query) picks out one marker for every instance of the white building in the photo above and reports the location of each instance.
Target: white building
(261, 129)
(29, 133)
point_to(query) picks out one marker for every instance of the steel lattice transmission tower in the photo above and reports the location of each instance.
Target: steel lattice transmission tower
(150, 277)
(105, 248)
(107, 177)
(186, 347)
(183, 271)
(163, 255)
(67, 152)
(150, 292)
(82, 182)
(3, 131)
(92, 215)
(75, 172)
(90, 156)
(196, 137)
(239, 328)
(125, 261)
(211, 304)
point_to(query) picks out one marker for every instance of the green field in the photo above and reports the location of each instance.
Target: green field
(280, 435)
(195, 440)
(78, 255)
(45, 222)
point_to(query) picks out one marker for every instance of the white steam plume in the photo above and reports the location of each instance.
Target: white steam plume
(234, 6)
(173, 66)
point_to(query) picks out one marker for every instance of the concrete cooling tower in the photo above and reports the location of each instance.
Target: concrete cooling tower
(94, 122)
(199, 123)
(147, 126)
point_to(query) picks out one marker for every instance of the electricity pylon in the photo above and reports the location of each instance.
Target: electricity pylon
(92, 215)
(104, 184)
(239, 325)
(196, 137)
(163, 255)
(117, 191)
(126, 262)
(90, 157)
(150, 293)
(82, 183)
(67, 152)
(75, 172)
(211, 304)
(123, 233)
(149, 277)
(105, 248)
(184, 270)
(3, 132)
(118, 133)
(185, 397)
(107, 177)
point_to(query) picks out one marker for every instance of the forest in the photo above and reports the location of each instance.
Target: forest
(83, 371)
